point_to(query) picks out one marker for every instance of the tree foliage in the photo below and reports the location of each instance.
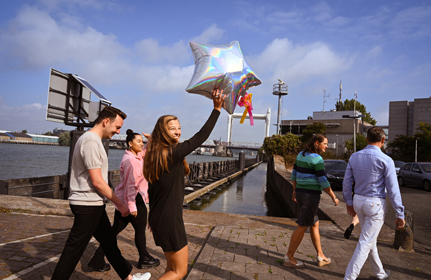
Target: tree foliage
(287, 146)
(48, 133)
(424, 141)
(311, 129)
(403, 147)
(349, 105)
(64, 139)
(24, 131)
(361, 143)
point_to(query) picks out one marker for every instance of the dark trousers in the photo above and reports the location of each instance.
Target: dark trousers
(90, 221)
(139, 223)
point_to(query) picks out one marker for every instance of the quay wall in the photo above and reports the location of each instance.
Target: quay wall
(278, 182)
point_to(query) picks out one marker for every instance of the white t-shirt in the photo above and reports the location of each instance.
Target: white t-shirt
(89, 153)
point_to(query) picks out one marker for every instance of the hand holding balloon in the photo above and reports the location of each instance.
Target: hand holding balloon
(218, 98)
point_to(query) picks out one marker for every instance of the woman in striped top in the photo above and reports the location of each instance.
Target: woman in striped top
(308, 180)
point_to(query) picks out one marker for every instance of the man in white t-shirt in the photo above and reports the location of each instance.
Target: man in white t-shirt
(88, 193)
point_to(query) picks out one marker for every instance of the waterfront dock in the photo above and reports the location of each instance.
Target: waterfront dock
(221, 246)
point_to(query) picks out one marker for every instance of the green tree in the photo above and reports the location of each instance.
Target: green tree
(423, 135)
(64, 139)
(403, 148)
(48, 133)
(348, 105)
(24, 131)
(361, 143)
(287, 146)
(311, 129)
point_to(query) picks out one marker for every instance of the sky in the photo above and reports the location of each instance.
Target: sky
(137, 54)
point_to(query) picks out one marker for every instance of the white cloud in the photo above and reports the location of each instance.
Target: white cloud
(299, 63)
(27, 116)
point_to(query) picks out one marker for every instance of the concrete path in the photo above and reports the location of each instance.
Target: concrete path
(221, 246)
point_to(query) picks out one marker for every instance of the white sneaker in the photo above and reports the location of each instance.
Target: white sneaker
(142, 276)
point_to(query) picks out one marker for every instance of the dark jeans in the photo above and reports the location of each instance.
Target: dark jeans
(90, 221)
(139, 223)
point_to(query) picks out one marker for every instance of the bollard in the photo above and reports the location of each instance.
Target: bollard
(404, 237)
(241, 161)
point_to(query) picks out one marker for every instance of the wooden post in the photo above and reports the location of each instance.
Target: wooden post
(404, 237)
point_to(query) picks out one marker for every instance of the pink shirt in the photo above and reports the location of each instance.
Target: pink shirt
(132, 180)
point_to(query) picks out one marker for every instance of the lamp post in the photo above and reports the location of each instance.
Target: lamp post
(354, 117)
(279, 89)
(336, 151)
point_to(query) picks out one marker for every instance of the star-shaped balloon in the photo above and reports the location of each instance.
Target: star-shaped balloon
(222, 67)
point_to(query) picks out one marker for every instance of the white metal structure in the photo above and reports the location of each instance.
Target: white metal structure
(266, 117)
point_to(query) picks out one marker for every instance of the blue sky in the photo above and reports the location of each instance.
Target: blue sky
(137, 54)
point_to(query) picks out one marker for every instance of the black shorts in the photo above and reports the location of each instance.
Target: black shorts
(309, 204)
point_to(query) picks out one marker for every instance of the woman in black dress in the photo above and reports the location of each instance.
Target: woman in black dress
(164, 168)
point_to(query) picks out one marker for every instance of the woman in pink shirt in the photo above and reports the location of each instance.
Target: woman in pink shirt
(132, 191)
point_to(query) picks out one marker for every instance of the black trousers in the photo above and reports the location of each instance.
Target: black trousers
(139, 223)
(90, 221)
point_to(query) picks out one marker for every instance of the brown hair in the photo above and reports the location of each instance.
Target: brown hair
(110, 113)
(375, 134)
(310, 146)
(159, 149)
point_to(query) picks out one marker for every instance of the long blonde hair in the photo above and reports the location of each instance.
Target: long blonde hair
(159, 150)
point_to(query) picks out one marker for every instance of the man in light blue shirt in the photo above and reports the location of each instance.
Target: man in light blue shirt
(374, 174)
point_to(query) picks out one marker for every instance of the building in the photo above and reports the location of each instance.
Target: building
(338, 129)
(4, 137)
(44, 139)
(405, 116)
(19, 137)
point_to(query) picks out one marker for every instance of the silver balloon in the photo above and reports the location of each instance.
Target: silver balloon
(222, 67)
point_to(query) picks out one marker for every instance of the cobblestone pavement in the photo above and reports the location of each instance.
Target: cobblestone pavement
(221, 246)
(31, 245)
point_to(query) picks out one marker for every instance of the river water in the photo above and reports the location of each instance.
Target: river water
(247, 195)
(26, 161)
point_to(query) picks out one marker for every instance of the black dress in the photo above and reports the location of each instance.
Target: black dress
(166, 195)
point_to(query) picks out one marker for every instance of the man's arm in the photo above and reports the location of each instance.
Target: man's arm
(347, 190)
(103, 188)
(394, 194)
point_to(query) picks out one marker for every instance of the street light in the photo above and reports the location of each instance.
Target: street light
(354, 117)
(279, 89)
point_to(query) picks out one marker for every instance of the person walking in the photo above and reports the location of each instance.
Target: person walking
(88, 193)
(308, 180)
(132, 191)
(373, 173)
(164, 168)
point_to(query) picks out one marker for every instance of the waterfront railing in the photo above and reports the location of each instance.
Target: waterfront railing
(201, 174)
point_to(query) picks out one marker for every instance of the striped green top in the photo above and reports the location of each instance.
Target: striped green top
(309, 172)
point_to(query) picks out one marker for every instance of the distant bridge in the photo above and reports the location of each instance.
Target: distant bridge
(121, 139)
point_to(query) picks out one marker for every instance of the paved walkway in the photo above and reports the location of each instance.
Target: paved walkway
(221, 246)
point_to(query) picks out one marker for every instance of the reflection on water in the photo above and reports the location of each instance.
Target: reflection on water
(247, 195)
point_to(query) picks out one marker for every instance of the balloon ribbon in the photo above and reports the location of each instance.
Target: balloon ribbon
(246, 102)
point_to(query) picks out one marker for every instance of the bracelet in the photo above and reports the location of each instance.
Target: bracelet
(334, 198)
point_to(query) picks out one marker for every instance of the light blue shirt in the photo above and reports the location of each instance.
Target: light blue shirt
(373, 173)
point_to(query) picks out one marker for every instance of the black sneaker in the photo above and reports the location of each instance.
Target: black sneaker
(148, 262)
(348, 231)
(106, 267)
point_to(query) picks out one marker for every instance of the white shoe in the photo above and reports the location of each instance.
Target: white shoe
(142, 276)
